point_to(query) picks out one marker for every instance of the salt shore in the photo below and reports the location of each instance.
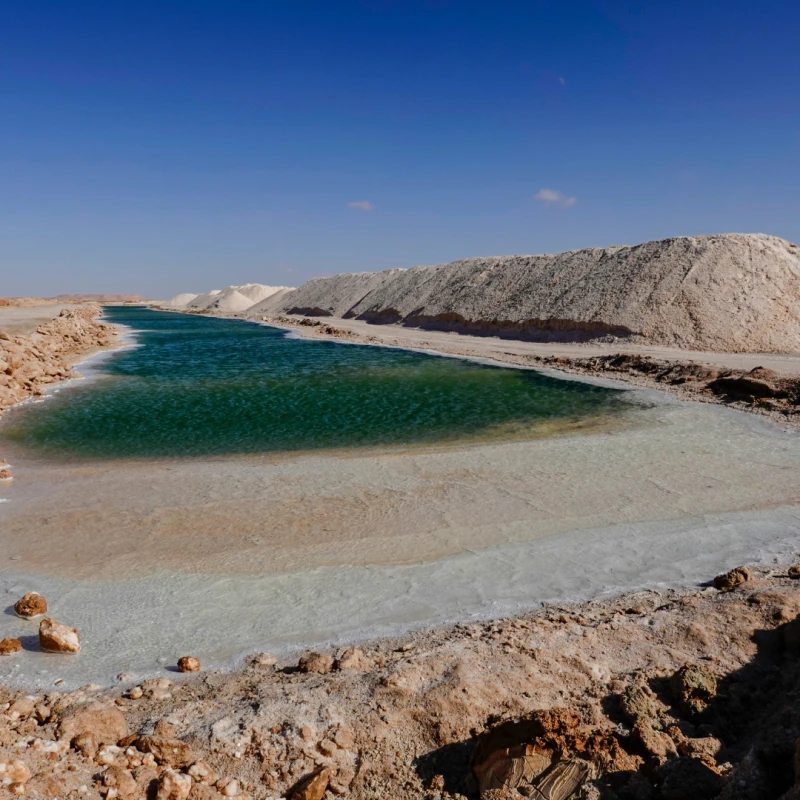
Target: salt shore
(227, 556)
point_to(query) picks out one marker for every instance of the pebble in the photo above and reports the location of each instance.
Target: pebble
(30, 605)
(10, 646)
(188, 664)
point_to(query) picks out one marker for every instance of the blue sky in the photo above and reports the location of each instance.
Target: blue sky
(157, 147)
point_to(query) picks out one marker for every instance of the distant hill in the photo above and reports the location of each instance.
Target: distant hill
(70, 298)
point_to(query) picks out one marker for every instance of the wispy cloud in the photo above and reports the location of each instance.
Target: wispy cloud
(361, 205)
(552, 197)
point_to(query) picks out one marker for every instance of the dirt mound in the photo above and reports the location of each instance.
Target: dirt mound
(730, 292)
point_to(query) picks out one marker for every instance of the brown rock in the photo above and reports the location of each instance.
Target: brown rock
(657, 744)
(639, 700)
(794, 572)
(30, 605)
(264, 660)
(730, 580)
(168, 752)
(165, 728)
(355, 659)
(327, 747)
(173, 786)
(203, 773)
(86, 744)
(511, 767)
(345, 739)
(563, 780)
(515, 752)
(10, 646)
(6, 476)
(694, 687)
(106, 723)
(313, 787)
(705, 748)
(229, 787)
(57, 638)
(188, 664)
(22, 707)
(121, 780)
(316, 662)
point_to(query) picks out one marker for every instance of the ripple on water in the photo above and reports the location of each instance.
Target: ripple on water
(204, 386)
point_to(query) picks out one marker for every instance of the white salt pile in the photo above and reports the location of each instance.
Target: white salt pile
(233, 298)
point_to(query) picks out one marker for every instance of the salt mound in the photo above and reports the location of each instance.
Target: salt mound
(729, 292)
(181, 300)
(256, 292)
(231, 300)
(269, 304)
(203, 301)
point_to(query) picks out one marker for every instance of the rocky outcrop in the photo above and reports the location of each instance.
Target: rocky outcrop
(731, 292)
(28, 364)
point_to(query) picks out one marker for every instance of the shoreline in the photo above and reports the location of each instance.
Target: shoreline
(400, 715)
(455, 513)
(685, 375)
(34, 363)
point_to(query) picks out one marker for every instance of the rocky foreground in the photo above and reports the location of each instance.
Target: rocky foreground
(674, 695)
(29, 364)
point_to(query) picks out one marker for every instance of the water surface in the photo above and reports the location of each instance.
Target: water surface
(198, 386)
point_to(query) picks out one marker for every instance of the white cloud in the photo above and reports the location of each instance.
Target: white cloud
(552, 197)
(361, 205)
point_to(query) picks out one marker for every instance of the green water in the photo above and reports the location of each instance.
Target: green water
(198, 386)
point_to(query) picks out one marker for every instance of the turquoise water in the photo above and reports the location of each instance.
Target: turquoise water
(199, 386)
